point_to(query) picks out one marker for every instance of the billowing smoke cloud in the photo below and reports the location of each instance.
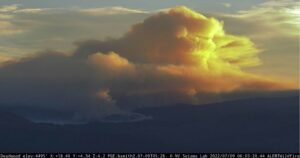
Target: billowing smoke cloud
(172, 57)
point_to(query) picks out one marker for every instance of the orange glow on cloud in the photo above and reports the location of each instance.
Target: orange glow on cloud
(4, 59)
(175, 56)
(182, 51)
(110, 62)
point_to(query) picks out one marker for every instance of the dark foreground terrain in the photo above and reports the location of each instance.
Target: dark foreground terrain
(250, 125)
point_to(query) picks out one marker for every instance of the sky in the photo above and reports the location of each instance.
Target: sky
(203, 5)
(112, 55)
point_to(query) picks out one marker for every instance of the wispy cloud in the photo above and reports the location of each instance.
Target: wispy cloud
(4, 58)
(274, 16)
(36, 29)
(31, 10)
(111, 11)
(7, 28)
(8, 8)
(274, 28)
(227, 5)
